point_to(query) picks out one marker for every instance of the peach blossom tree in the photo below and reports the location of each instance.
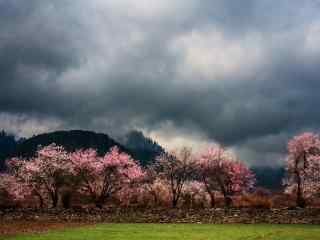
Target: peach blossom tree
(174, 169)
(15, 191)
(220, 171)
(101, 177)
(303, 167)
(45, 174)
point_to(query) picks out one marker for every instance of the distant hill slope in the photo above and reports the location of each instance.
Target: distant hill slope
(144, 148)
(70, 140)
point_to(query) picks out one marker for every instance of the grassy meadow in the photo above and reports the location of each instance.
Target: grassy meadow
(179, 232)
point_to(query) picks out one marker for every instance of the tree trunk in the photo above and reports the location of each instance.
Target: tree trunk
(41, 201)
(100, 202)
(55, 200)
(227, 201)
(155, 199)
(211, 193)
(66, 200)
(174, 197)
(99, 205)
(300, 201)
(174, 202)
(212, 199)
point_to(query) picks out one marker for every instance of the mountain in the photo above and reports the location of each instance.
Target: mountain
(144, 148)
(70, 140)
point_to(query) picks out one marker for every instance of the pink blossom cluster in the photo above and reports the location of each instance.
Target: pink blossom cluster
(116, 175)
(101, 177)
(12, 187)
(53, 169)
(220, 171)
(303, 166)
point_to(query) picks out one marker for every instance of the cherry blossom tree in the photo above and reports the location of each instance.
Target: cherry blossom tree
(175, 169)
(303, 166)
(159, 190)
(26, 174)
(220, 171)
(154, 186)
(45, 174)
(13, 188)
(51, 167)
(101, 177)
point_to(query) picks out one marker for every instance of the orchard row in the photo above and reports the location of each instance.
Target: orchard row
(216, 171)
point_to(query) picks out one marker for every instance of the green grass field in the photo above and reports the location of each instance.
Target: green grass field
(181, 232)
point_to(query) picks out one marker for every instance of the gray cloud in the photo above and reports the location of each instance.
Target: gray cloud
(242, 73)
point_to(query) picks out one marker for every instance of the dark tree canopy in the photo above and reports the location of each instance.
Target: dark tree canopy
(8, 145)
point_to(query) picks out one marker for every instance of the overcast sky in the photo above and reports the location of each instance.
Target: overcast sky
(243, 73)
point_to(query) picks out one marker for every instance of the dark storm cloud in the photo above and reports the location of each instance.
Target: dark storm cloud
(243, 73)
(264, 15)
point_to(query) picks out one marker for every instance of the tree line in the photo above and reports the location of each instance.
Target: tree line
(180, 174)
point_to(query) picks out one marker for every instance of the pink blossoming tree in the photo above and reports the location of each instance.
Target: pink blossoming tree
(155, 187)
(44, 174)
(303, 166)
(13, 188)
(26, 174)
(175, 169)
(101, 177)
(220, 171)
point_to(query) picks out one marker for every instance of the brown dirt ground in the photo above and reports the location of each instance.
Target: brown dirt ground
(27, 227)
